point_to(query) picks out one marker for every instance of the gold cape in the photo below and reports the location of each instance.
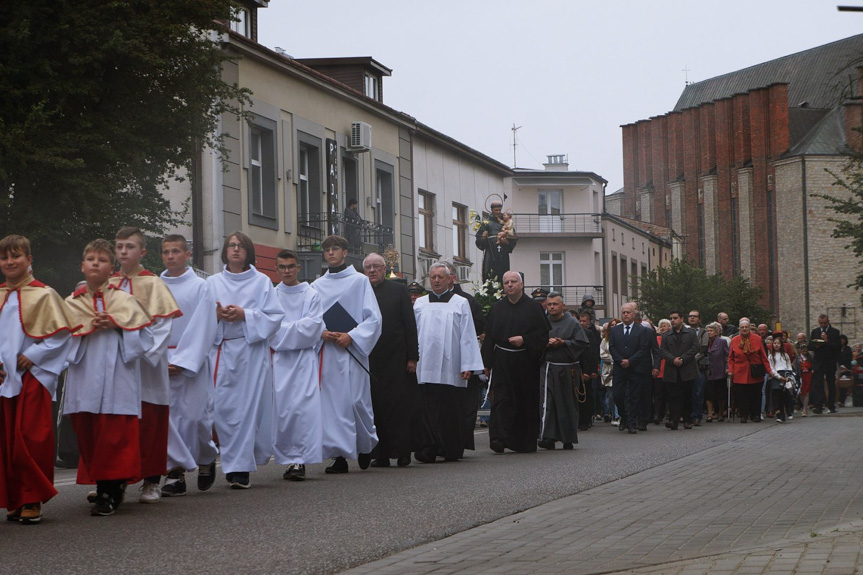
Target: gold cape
(151, 291)
(123, 309)
(41, 310)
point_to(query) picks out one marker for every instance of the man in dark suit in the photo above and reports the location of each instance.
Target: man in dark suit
(679, 348)
(824, 363)
(629, 346)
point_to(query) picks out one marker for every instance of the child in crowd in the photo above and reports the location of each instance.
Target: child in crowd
(782, 369)
(103, 384)
(36, 337)
(803, 367)
(155, 297)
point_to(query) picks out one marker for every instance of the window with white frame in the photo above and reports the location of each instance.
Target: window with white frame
(551, 270)
(425, 209)
(549, 209)
(459, 232)
(240, 22)
(309, 184)
(262, 179)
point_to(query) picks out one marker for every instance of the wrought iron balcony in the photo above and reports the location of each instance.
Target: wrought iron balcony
(572, 294)
(362, 236)
(579, 225)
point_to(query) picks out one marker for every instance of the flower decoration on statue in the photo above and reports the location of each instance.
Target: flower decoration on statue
(489, 293)
(477, 221)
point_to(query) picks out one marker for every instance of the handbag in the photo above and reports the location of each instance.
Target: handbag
(757, 370)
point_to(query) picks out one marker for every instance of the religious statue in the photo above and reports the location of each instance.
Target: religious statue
(496, 238)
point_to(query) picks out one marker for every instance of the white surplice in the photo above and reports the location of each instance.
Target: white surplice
(243, 369)
(297, 409)
(346, 398)
(190, 428)
(447, 341)
(47, 354)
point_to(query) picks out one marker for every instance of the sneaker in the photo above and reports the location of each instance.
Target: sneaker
(206, 476)
(92, 496)
(103, 506)
(790, 417)
(615, 422)
(31, 513)
(779, 419)
(150, 492)
(175, 485)
(119, 495)
(13, 515)
(339, 465)
(240, 480)
(295, 472)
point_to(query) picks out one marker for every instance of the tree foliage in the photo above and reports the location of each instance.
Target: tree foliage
(850, 207)
(104, 103)
(685, 287)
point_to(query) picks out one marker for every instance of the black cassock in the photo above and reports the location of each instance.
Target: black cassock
(393, 393)
(495, 259)
(560, 373)
(514, 421)
(474, 391)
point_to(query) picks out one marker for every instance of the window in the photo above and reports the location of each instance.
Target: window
(240, 21)
(262, 178)
(551, 270)
(371, 87)
(459, 232)
(735, 238)
(385, 212)
(309, 188)
(549, 210)
(624, 278)
(614, 288)
(350, 179)
(634, 275)
(668, 218)
(426, 220)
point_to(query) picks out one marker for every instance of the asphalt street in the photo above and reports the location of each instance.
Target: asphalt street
(331, 523)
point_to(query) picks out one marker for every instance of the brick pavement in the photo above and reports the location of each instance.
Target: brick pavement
(787, 499)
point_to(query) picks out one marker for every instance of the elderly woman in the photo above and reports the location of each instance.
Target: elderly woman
(747, 365)
(660, 397)
(717, 355)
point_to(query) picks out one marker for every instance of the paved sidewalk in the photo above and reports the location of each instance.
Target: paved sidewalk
(786, 499)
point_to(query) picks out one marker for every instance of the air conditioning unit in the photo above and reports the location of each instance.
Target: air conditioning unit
(361, 137)
(463, 273)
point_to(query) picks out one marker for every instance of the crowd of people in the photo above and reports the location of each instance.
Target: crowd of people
(166, 374)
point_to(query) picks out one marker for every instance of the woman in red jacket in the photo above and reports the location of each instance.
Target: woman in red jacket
(747, 350)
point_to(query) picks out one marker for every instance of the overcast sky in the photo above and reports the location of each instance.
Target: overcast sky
(569, 72)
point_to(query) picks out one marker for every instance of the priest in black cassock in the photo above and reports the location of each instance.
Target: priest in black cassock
(516, 334)
(391, 362)
(560, 374)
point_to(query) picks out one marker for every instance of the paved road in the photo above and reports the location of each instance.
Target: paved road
(616, 502)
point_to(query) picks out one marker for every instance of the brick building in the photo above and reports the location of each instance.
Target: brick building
(733, 168)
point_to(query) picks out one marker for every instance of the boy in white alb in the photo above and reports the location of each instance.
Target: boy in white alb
(297, 411)
(190, 431)
(156, 298)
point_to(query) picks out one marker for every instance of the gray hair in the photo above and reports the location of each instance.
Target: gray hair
(441, 264)
(555, 294)
(663, 322)
(715, 326)
(374, 256)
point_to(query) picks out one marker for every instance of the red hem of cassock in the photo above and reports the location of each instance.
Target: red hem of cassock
(154, 439)
(26, 446)
(109, 447)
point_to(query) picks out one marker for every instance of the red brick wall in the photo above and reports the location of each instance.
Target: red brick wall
(724, 157)
(659, 164)
(691, 161)
(630, 167)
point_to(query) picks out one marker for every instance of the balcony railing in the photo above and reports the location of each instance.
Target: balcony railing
(362, 236)
(572, 294)
(582, 224)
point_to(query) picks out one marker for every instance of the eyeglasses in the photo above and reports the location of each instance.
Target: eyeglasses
(288, 267)
(373, 267)
(233, 246)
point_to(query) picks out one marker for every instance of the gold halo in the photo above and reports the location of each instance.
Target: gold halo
(489, 201)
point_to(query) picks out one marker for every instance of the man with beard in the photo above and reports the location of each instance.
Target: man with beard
(516, 334)
(394, 357)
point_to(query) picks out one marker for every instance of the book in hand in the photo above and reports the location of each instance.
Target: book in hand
(337, 318)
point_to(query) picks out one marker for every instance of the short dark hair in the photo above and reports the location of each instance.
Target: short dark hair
(353, 202)
(176, 238)
(287, 255)
(672, 312)
(334, 241)
(246, 242)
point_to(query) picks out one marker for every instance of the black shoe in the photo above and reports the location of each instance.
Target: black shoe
(833, 411)
(240, 480)
(425, 456)
(607, 419)
(103, 507)
(496, 446)
(687, 426)
(295, 472)
(817, 411)
(403, 461)
(546, 443)
(671, 426)
(567, 446)
(206, 476)
(642, 427)
(380, 462)
(622, 425)
(364, 459)
(632, 431)
(339, 465)
(175, 485)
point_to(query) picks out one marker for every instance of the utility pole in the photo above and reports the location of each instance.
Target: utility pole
(514, 145)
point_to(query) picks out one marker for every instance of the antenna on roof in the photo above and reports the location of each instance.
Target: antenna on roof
(686, 71)
(514, 144)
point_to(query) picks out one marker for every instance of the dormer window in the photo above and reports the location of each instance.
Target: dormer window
(371, 86)
(241, 22)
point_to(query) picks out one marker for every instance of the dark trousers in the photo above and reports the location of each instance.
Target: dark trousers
(627, 397)
(660, 399)
(747, 397)
(645, 414)
(779, 402)
(818, 375)
(679, 400)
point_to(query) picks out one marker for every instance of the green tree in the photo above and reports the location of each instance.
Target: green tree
(849, 224)
(104, 104)
(685, 287)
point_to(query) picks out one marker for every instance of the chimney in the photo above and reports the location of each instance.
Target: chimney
(557, 163)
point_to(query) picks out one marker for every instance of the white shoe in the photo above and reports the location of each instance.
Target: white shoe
(790, 417)
(150, 493)
(615, 422)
